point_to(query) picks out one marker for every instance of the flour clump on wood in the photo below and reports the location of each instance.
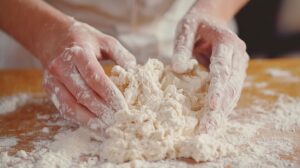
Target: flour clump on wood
(163, 116)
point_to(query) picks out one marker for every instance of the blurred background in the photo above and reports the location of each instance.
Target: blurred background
(270, 28)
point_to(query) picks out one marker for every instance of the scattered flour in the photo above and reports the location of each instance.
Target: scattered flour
(285, 114)
(160, 128)
(7, 142)
(11, 103)
(21, 154)
(45, 130)
(79, 148)
(42, 117)
(274, 72)
(164, 111)
(261, 84)
(282, 75)
(268, 92)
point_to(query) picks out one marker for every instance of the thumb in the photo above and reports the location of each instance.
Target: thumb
(184, 43)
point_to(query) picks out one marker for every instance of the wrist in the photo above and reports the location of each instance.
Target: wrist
(52, 38)
(35, 24)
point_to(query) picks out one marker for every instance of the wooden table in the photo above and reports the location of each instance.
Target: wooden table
(24, 124)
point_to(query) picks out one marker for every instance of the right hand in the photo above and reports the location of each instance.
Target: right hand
(224, 54)
(76, 81)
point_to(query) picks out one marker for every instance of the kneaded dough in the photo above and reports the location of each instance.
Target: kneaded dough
(163, 115)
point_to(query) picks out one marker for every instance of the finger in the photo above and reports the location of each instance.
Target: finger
(220, 71)
(72, 80)
(95, 77)
(234, 86)
(184, 43)
(119, 54)
(210, 121)
(67, 105)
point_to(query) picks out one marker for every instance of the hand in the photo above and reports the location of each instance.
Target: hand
(76, 81)
(222, 52)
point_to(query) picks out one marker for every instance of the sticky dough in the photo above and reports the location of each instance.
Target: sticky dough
(163, 115)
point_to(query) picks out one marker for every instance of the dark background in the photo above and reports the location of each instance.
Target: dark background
(257, 23)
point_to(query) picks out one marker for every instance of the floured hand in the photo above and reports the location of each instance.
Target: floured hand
(217, 48)
(76, 81)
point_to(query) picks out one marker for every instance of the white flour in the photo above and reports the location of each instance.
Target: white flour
(11, 103)
(261, 84)
(285, 114)
(7, 142)
(159, 128)
(45, 130)
(274, 72)
(163, 117)
(282, 75)
(268, 92)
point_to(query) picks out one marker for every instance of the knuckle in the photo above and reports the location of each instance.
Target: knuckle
(91, 79)
(65, 110)
(183, 21)
(58, 67)
(232, 91)
(83, 97)
(243, 60)
(53, 66)
(225, 74)
(74, 51)
(111, 41)
(246, 57)
(65, 114)
(236, 88)
(225, 35)
(186, 24)
(231, 37)
(92, 75)
(68, 55)
(240, 44)
(89, 71)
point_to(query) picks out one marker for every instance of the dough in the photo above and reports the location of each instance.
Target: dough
(163, 115)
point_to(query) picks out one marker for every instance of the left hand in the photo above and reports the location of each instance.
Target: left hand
(220, 50)
(75, 79)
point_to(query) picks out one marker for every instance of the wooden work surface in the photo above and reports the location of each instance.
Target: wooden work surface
(26, 123)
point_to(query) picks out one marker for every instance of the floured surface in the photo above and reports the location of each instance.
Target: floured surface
(255, 135)
(11, 103)
(7, 142)
(261, 135)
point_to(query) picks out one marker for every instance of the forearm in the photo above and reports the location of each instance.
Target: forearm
(224, 10)
(33, 23)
